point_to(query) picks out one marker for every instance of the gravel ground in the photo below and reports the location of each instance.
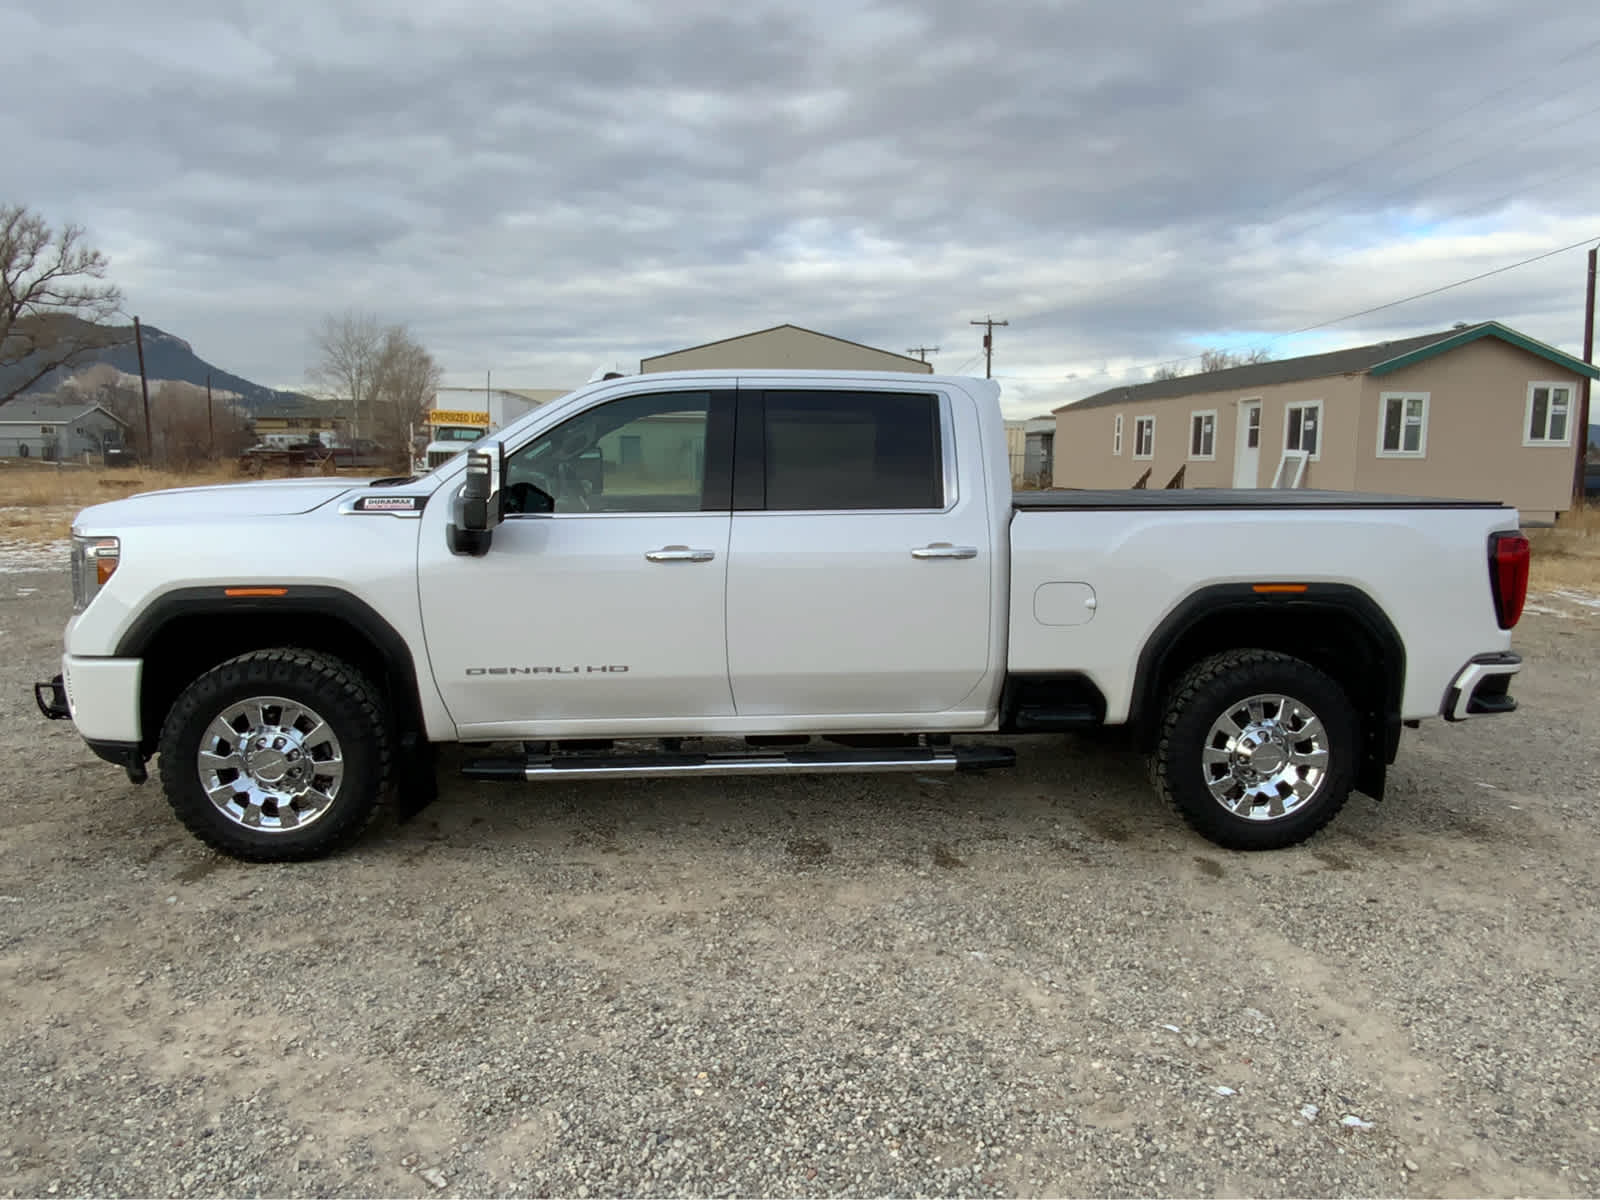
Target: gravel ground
(1034, 982)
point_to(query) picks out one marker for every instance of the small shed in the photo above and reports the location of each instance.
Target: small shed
(783, 347)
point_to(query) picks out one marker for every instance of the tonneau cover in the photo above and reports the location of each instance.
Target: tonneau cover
(1201, 498)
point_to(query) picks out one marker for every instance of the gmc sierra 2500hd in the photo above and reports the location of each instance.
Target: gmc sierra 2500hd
(827, 570)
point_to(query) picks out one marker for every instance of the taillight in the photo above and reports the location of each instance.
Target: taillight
(1508, 575)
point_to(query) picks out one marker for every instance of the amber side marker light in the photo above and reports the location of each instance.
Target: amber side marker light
(239, 592)
(1277, 589)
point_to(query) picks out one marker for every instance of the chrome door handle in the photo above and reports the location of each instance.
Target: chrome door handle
(945, 550)
(679, 554)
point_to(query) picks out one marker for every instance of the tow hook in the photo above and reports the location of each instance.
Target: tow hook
(136, 772)
(52, 699)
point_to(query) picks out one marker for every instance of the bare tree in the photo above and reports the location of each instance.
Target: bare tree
(1213, 360)
(186, 435)
(52, 304)
(404, 384)
(347, 349)
(384, 373)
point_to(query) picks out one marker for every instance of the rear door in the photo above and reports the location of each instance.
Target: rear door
(859, 575)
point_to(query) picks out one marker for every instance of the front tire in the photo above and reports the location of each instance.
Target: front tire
(1257, 749)
(277, 755)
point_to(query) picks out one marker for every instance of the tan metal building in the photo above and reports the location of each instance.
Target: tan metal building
(1477, 412)
(783, 347)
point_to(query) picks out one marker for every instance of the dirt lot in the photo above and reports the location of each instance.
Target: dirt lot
(1032, 983)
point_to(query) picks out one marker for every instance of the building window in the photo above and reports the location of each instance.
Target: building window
(1252, 427)
(1144, 437)
(1549, 417)
(1403, 431)
(1300, 428)
(47, 429)
(1116, 437)
(1203, 435)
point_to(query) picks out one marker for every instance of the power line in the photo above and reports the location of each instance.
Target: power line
(1172, 362)
(1536, 184)
(1292, 230)
(1435, 291)
(1438, 175)
(1416, 134)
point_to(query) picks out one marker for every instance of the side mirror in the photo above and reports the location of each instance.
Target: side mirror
(478, 505)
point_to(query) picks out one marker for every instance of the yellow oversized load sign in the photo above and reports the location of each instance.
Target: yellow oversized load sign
(446, 416)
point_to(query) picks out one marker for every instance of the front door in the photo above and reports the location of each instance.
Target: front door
(858, 581)
(601, 598)
(1247, 453)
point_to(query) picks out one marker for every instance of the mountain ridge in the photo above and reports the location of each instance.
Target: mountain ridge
(166, 357)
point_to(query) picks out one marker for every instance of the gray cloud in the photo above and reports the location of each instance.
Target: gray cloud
(540, 190)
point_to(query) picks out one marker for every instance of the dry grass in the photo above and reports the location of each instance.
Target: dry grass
(78, 487)
(39, 500)
(1568, 556)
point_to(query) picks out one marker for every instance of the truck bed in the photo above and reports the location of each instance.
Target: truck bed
(1186, 499)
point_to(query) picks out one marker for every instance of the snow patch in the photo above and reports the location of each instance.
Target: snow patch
(17, 557)
(1573, 596)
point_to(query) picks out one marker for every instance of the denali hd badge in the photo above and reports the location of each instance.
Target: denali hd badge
(611, 670)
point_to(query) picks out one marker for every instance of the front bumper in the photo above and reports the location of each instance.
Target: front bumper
(1481, 688)
(101, 695)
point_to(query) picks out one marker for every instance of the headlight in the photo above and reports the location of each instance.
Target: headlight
(94, 561)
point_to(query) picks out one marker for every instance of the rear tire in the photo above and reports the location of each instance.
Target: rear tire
(277, 755)
(1257, 749)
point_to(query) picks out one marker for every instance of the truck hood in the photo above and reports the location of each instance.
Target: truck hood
(270, 498)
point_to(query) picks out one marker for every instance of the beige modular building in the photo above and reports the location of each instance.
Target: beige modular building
(1476, 412)
(783, 347)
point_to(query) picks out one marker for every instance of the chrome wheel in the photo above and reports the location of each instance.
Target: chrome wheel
(1266, 757)
(270, 764)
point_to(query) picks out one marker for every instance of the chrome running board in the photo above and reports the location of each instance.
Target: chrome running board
(537, 767)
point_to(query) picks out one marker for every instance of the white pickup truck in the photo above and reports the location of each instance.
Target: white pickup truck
(768, 572)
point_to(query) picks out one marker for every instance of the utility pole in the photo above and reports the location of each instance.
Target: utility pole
(922, 352)
(1583, 387)
(144, 388)
(988, 341)
(211, 422)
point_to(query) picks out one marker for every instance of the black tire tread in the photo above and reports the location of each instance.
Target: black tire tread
(1198, 677)
(273, 668)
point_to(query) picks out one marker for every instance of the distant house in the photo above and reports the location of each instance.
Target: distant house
(783, 347)
(1478, 412)
(1031, 443)
(31, 428)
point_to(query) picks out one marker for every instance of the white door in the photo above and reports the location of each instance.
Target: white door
(610, 606)
(1247, 453)
(858, 583)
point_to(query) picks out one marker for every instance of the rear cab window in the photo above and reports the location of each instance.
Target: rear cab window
(838, 450)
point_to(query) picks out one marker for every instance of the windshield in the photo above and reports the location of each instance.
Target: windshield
(457, 433)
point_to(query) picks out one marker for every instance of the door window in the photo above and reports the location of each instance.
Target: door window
(637, 454)
(852, 450)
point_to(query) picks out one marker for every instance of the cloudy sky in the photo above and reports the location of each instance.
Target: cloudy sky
(542, 189)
